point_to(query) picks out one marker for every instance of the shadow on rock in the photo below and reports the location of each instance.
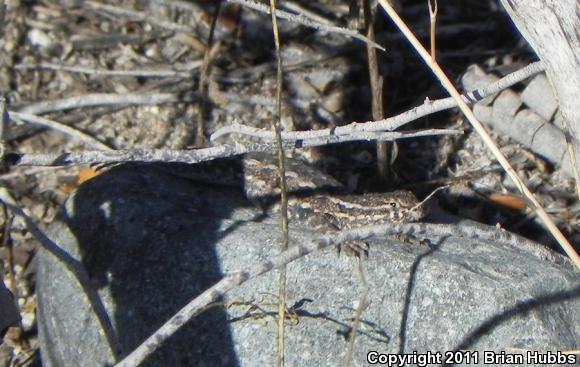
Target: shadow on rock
(146, 239)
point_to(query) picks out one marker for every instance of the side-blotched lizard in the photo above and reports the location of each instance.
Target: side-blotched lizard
(316, 198)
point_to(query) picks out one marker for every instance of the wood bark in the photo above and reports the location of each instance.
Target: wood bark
(552, 28)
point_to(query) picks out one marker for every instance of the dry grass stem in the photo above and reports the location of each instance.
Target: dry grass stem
(433, 25)
(376, 82)
(362, 304)
(200, 139)
(276, 124)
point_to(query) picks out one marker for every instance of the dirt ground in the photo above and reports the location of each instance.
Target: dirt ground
(154, 50)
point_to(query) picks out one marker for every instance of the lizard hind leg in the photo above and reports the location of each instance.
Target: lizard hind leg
(329, 224)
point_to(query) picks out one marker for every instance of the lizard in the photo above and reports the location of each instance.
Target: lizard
(321, 201)
(315, 198)
(340, 211)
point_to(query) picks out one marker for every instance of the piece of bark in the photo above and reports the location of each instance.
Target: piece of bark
(504, 113)
(552, 29)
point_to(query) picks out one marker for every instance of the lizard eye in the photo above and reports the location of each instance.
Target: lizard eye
(393, 204)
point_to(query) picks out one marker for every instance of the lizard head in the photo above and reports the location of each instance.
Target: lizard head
(404, 206)
(396, 206)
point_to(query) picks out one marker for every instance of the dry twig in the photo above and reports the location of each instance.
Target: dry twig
(55, 125)
(392, 123)
(185, 71)
(137, 15)
(185, 156)
(99, 99)
(300, 19)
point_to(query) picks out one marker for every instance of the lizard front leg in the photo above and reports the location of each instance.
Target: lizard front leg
(328, 223)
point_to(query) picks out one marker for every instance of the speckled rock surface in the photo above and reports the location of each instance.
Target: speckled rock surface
(151, 241)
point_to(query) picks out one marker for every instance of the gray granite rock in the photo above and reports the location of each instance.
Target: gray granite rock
(150, 242)
(9, 315)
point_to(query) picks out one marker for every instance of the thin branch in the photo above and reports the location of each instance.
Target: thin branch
(99, 99)
(305, 19)
(295, 7)
(392, 123)
(134, 155)
(3, 116)
(138, 15)
(532, 201)
(503, 83)
(220, 289)
(55, 125)
(300, 19)
(186, 156)
(330, 136)
(376, 136)
(183, 72)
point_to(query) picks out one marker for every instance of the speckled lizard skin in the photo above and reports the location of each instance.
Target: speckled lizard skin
(315, 198)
